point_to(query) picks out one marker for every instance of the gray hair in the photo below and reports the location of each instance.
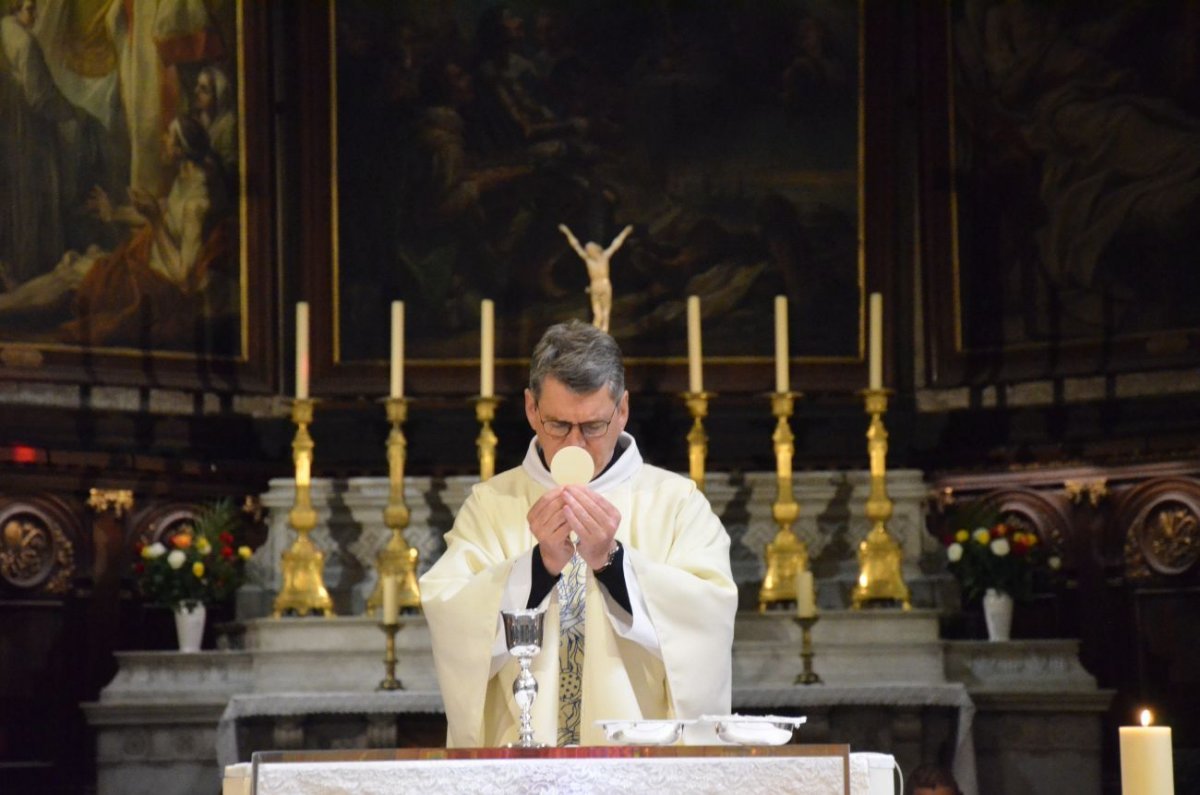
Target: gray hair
(581, 356)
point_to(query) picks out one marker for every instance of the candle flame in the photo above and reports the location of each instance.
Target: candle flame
(1147, 717)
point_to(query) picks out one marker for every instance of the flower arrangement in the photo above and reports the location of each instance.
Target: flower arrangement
(198, 564)
(996, 556)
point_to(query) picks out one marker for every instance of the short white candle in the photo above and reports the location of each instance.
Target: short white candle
(695, 379)
(806, 599)
(391, 604)
(302, 350)
(875, 349)
(487, 348)
(782, 374)
(1147, 767)
(397, 362)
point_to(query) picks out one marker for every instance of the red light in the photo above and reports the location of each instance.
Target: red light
(23, 454)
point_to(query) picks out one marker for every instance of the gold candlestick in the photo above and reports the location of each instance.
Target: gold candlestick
(786, 554)
(390, 682)
(303, 583)
(808, 676)
(397, 559)
(879, 556)
(697, 439)
(485, 412)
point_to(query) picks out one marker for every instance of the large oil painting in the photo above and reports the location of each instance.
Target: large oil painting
(1075, 154)
(708, 149)
(121, 203)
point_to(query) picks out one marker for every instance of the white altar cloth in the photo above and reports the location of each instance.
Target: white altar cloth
(720, 775)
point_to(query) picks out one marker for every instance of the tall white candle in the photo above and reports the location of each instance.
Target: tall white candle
(695, 379)
(487, 348)
(875, 349)
(806, 598)
(397, 372)
(1146, 759)
(302, 349)
(391, 600)
(782, 374)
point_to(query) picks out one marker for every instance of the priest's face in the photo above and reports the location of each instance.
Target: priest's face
(562, 418)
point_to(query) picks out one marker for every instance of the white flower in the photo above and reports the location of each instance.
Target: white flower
(954, 552)
(1000, 547)
(175, 558)
(156, 550)
(1055, 562)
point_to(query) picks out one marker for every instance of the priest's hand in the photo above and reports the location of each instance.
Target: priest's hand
(548, 523)
(594, 520)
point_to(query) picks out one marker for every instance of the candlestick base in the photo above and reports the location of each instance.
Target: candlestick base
(485, 412)
(397, 559)
(390, 682)
(786, 554)
(880, 582)
(303, 589)
(808, 676)
(697, 439)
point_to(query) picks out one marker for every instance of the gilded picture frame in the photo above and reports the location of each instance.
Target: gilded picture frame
(136, 237)
(734, 142)
(1058, 184)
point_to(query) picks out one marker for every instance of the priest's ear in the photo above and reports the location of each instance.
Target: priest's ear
(531, 409)
(622, 418)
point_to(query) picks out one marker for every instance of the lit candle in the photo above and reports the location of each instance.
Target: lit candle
(806, 600)
(1146, 762)
(695, 380)
(487, 348)
(397, 382)
(875, 349)
(302, 350)
(391, 605)
(782, 376)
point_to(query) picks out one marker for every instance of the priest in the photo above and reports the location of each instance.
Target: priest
(632, 568)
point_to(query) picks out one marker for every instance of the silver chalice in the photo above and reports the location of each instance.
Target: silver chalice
(523, 635)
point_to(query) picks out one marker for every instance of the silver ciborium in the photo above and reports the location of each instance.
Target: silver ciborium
(523, 635)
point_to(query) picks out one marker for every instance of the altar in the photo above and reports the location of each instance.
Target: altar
(812, 769)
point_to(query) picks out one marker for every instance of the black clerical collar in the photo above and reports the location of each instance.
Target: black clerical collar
(618, 451)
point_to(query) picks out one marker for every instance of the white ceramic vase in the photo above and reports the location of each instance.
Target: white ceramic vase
(997, 611)
(189, 626)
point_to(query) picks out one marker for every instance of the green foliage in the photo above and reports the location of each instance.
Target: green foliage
(199, 563)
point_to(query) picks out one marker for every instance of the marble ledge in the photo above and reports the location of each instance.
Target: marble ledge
(1018, 665)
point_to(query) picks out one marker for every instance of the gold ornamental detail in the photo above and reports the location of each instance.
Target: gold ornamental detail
(116, 500)
(33, 554)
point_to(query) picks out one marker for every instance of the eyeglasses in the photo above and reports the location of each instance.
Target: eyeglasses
(591, 429)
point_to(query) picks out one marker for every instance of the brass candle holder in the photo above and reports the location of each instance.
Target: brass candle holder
(786, 554)
(390, 682)
(808, 676)
(303, 582)
(879, 556)
(697, 439)
(485, 412)
(397, 559)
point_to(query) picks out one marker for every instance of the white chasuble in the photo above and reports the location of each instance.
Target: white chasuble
(669, 658)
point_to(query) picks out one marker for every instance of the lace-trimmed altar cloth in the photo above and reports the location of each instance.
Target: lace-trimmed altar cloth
(820, 775)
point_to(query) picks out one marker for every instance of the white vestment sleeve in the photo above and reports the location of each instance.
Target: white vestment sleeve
(636, 627)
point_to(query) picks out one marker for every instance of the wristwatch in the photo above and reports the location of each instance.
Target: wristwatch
(616, 547)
